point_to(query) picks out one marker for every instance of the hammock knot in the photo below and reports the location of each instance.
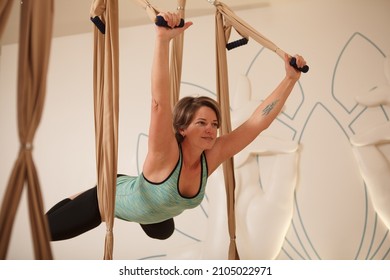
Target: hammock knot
(26, 146)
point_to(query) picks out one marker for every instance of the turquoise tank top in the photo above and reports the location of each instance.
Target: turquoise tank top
(139, 200)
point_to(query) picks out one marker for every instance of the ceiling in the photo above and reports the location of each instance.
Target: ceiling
(72, 16)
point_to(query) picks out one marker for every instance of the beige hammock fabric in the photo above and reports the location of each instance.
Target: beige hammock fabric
(5, 10)
(151, 11)
(225, 20)
(244, 29)
(34, 49)
(176, 50)
(106, 93)
(223, 99)
(106, 105)
(177, 58)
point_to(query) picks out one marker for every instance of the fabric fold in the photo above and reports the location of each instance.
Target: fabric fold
(106, 108)
(36, 23)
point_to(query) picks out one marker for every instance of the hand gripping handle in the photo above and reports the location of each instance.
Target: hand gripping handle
(293, 63)
(160, 21)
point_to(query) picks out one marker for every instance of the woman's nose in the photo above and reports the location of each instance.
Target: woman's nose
(209, 127)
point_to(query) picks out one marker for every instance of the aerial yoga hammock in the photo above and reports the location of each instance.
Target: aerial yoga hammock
(106, 104)
(36, 23)
(105, 16)
(106, 122)
(225, 19)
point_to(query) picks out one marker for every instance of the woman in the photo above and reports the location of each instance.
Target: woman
(179, 160)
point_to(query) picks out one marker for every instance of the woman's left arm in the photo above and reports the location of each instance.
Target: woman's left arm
(230, 144)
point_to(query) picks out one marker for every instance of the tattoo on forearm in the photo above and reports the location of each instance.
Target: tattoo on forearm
(269, 108)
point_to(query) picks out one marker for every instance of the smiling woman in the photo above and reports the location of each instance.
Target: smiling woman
(183, 151)
(184, 113)
(202, 131)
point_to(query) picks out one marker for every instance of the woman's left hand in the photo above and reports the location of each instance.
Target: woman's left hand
(291, 72)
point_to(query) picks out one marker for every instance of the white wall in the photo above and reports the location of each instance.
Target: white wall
(333, 217)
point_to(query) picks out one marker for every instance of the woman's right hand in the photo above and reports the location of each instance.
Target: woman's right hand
(173, 20)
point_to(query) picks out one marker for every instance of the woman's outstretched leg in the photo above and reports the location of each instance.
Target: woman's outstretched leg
(58, 206)
(162, 230)
(72, 217)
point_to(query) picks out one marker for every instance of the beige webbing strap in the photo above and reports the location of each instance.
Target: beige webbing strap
(176, 50)
(223, 99)
(177, 58)
(226, 19)
(106, 105)
(245, 30)
(150, 10)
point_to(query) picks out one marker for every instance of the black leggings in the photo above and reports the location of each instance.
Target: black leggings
(72, 217)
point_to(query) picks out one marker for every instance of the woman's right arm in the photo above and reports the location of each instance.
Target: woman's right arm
(162, 145)
(160, 128)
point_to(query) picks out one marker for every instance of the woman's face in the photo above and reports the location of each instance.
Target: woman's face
(202, 130)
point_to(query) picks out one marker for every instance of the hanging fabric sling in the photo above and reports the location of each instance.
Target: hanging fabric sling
(177, 58)
(226, 19)
(223, 99)
(36, 23)
(104, 13)
(5, 11)
(246, 31)
(176, 50)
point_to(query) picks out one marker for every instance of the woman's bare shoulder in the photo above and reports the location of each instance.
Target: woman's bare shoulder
(159, 164)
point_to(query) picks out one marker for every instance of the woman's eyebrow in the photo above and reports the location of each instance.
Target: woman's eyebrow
(203, 119)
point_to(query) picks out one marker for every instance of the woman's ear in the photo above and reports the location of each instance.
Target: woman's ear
(179, 137)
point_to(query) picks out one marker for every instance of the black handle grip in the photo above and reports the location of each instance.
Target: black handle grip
(236, 44)
(160, 21)
(293, 63)
(99, 24)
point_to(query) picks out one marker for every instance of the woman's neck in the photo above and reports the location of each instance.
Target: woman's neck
(191, 156)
